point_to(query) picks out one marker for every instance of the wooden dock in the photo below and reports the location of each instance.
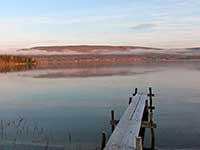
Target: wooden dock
(129, 131)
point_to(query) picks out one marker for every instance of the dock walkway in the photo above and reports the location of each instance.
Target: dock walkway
(129, 131)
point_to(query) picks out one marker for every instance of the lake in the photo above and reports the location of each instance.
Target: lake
(72, 106)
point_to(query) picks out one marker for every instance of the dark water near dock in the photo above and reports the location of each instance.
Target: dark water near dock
(64, 106)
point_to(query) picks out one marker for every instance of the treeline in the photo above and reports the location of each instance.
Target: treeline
(15, 60)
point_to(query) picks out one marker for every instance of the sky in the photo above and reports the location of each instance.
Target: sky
(152, 23)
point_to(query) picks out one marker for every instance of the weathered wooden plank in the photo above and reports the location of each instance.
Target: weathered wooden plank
(146, 124)
(139, 143)
(125, 133)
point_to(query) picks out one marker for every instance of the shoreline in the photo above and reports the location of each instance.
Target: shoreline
(74, 61)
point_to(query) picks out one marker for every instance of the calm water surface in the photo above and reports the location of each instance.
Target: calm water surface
(73, 105)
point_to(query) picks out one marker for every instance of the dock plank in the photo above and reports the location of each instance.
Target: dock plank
(123, 137)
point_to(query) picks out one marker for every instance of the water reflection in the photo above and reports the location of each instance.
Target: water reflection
(89, 72)
(16, 68)
(81, 106)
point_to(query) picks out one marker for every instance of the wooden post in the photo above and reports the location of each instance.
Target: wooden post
(47, 143)
(112, 120)
(151, 118)
(2, 132)
(139, 143)
(150, 98)
(145, 118)
(146, 111)
(153, 139)
(70, 137)
(130, 100)
(136, 91)
(103, 140)
(27, 131)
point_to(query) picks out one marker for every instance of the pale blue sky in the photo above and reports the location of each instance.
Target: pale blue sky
(156, 23)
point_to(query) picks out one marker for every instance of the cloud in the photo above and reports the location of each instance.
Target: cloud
(144, 26)
(52, 20)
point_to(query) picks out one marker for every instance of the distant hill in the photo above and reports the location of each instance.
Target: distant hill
(86, 49)
(108, 50)
(194, 48)
(94, 56)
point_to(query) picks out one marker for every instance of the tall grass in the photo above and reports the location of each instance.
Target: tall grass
(24, 134)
